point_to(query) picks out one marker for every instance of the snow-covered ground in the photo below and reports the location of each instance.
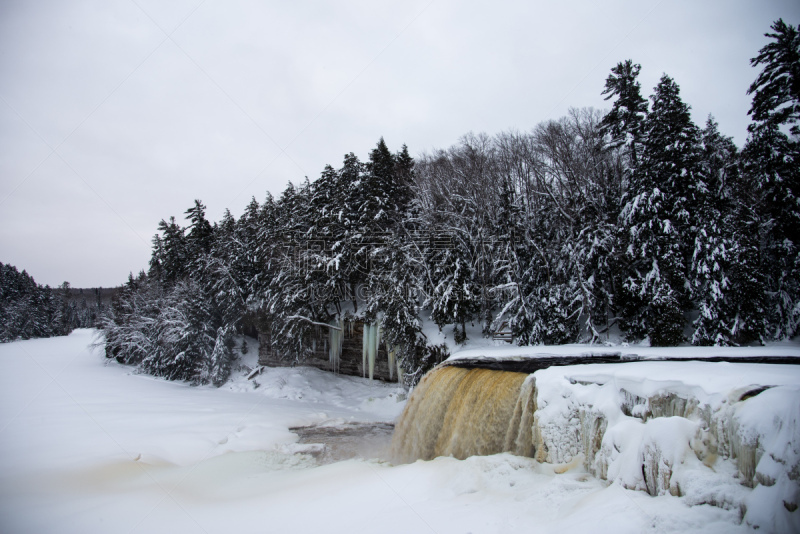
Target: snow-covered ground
(88, 446)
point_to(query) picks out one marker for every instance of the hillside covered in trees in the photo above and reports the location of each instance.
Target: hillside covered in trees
(635, 221)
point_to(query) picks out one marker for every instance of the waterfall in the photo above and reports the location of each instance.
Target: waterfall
(464, 412)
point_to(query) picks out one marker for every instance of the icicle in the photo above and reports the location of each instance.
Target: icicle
(390, 353)
(372, 349)
(331, 351)
(335, 348)
(339, 344)
(364, 350)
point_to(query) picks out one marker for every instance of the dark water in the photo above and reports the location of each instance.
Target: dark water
(348, 440)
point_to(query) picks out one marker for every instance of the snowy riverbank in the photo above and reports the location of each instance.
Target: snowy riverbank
(87, 446)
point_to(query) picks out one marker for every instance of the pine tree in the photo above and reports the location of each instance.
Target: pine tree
(200, 236)
(658, 218)
(222, 356)
(66, 313)
(29, 310)
(772, 160)
(225, 274)
(454, 299)
(403, 195)
(170, 258)
(376, 210)
(727, 284)
(776, 91)
(625, 122)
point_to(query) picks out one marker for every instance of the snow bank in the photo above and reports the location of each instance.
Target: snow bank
(502, 350)
(702, 431)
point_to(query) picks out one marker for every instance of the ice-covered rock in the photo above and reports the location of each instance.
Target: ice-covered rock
(704, 431)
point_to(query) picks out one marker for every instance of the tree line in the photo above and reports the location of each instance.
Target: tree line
(634, 221)
(29, 310)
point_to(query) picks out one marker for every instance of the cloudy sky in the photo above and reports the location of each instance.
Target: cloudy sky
(115, 114)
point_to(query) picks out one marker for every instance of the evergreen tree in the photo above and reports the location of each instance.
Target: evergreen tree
(379, 184)
(776, 91)
(772, 158)
(658, 217)
(29, 310)
(170, 258)
(454, 299)
(201, 234)
(402, 194)
(727, 284)
(222, 356)
(625, 122)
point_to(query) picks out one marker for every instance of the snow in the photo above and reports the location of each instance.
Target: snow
(700, 430)
(87, 445)
(484, 348)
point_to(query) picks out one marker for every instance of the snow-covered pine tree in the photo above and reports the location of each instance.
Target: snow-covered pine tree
(375, 208)
(352, 260)
(772, 158)
(66, 313)
(623, 124)
(29, 310)
(226, 273)
(395, 285)
(267, 243)
(185, 336)
(330, 241)
(170, 258)
(247, 265)
(727, 284)
(454, 298)
(288, 303)
(396, 278)
(200, 235)
(129, 326)
(658, 219)
(403, 182)
(270, 248)
(221, 358)
(379, 186)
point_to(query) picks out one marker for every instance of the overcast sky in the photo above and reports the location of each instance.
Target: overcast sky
(115, 114)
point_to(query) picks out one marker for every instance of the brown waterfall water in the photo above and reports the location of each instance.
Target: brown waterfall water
(464, 412)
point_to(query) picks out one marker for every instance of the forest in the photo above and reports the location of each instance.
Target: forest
(29, 310)
(632, 222)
